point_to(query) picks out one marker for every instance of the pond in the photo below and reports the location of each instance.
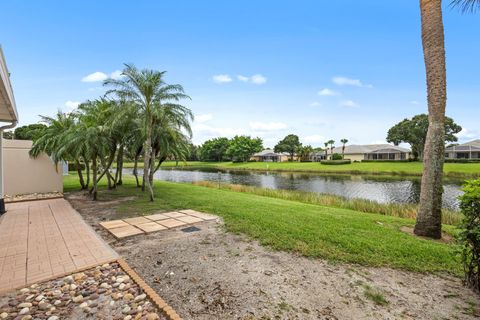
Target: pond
(383, 189)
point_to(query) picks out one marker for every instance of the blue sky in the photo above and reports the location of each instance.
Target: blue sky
(319, 69)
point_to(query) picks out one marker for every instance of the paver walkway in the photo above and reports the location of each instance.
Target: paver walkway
(43, 239)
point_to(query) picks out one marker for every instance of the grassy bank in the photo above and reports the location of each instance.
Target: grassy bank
(453, 170)
(409, 211)
(311, 230)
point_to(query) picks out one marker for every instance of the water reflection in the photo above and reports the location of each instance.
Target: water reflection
(379, 188)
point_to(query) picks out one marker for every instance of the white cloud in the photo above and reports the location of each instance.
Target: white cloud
(267, 126)
(258, 79)
(315, 104)
(203, 117)
(414, 102)
(316, 138)
(344, 81)
(467, 134)
(222, 78)
(117, 75)
(327, 92)
(243, 78)
(71, 105)
(348, 104)
(95, 77)
(210, 131)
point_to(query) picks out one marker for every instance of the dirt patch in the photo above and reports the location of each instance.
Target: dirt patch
(446, 238)
(211, 274)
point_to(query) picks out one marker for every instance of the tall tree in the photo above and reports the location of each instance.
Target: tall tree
(344, 142)
(243, 147)
(331, 143)
(214, 149)
(147, 91)
(290, 144)
(429, 215)
(29, 132)
(326, 150)
(305, 152)
(414, 132)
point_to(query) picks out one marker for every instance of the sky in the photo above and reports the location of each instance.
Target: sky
(316, 68)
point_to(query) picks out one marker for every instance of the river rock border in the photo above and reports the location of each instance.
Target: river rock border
(111, 289)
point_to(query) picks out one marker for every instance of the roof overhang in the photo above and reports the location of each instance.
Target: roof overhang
(8, 108)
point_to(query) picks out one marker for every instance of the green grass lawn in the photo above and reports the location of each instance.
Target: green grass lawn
(391, 168)
(338, 235)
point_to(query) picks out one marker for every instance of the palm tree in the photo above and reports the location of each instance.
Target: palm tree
(429, 215)
(326, 150)
(54, 142)
(331, 143)
(172, 133)
(344, 142)
(94, 138)
(147, 91)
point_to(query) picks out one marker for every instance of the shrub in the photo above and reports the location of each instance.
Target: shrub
(388, 160)
(469, 235)
(335, 162)
(337, 156)
(72, 166)
(462, 160)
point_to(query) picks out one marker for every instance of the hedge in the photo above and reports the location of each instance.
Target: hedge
(388, 160)
(462, 160)
(335, 162)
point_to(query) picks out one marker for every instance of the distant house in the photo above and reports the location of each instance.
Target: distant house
(469, 150)
(317, 156)
(268, 155)
(373, 152)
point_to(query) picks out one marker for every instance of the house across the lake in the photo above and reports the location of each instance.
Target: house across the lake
(469, 150)
(268, 155)
(373, 152)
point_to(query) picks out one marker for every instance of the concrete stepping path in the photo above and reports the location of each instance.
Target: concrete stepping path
(153, 223)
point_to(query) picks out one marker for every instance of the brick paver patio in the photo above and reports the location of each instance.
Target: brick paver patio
(43, 239)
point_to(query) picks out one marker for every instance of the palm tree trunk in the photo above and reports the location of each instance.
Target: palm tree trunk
(87, 172)
(152, 165)
(80, 173)
(429, 217)
(135, 169)
(94, 169)
(119, 174)
(146, 161)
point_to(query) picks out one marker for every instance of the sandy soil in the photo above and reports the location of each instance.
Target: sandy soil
(211, 274)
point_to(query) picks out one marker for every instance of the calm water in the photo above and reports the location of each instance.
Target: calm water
(378, 188)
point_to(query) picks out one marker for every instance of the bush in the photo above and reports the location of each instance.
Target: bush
(469, 235)
(337, 156)
(462, 160)
(335, 162)
(73, 167)
(388, 160)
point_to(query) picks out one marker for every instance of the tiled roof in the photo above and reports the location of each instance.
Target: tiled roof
(370, 148)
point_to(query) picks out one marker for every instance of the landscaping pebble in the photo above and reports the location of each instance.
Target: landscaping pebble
(104, 292)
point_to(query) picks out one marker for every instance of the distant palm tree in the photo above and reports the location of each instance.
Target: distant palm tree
(331, 143)
(344, 142)
(148, 92)
(429, 216)
(326, 150)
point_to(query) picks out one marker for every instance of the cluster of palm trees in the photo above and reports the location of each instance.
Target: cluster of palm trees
(139, 117)
(331, 144)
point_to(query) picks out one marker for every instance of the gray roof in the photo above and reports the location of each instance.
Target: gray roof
(269, 153)
(473, 145)
(370, 148)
